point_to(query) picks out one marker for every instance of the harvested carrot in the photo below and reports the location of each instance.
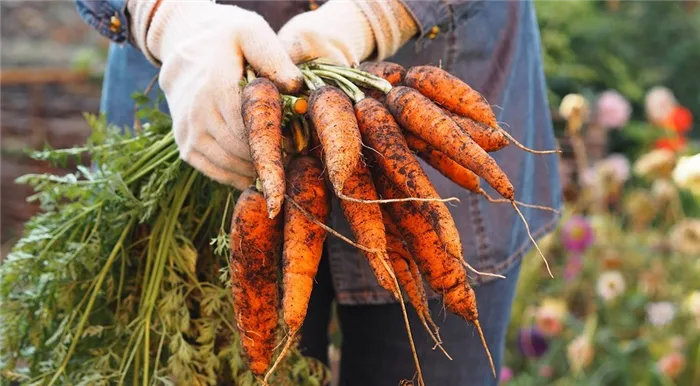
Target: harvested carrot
(418, 115)
(262, 116)
(451, 93)
(445, 275)
(489, 138)
(444, 164)
(381, 134)
(334, 119)
(391, 72)
(303, 239)
(366, 223)
(255, 252)
(303, 242)
(410, 279)
(462, 100)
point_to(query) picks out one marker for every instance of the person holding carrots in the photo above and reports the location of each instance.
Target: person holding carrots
(199, 48)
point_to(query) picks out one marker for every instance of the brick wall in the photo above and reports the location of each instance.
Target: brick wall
(42, 99)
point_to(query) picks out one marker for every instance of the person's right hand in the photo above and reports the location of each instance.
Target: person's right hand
(203, 47)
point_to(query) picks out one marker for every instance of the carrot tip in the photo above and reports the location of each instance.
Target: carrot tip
(527, 228)
(525, 148)
(283, 353)
(503, 201)
(486, 347)
(469, 267)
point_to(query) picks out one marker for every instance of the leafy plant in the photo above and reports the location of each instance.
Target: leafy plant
(122, 279)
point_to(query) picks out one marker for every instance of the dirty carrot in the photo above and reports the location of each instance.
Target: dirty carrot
(303, 242)
(255, 252)
(444, 274)
(391, 72)
(451, 93)
(457, 173)
(262, 116)
(367, 225)
(410, 279)
(488, 137)
(395, 160)
(418, 115)
(333, 118)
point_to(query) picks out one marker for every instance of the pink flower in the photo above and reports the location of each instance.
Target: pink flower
(671, 364)
(613, 109)
(577, 234)
(506, 374)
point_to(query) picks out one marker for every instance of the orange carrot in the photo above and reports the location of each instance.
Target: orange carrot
(418, 115)
(381, 134)
(409, 277)
(255, 252)
(366, 224)
(303, 239)
(443, 272)
(391, 72)
(334, 119)
(444, 164)
(262, 115)
(303, 242)
(451, 93)
(489, 138)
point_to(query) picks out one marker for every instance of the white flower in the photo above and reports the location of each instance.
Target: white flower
(659, 103)
(687, 173)
(616, 165)
(613, 109)
(693, 303)
(664, 190)
(610, 285)
(573, 104)
(661, 313)
(658, 162)
(685, 237)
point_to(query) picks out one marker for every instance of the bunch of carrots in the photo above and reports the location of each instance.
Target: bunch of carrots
(355, 132)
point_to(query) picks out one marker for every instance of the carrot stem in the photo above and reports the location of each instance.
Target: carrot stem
(353, 91)
(356, 75)
(312, 80)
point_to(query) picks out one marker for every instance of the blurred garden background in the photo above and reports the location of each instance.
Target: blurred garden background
(624, 307)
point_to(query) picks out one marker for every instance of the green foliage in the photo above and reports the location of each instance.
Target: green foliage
(589, 48)
(117, 281)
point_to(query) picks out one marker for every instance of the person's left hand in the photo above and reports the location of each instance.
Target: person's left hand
(340, 31)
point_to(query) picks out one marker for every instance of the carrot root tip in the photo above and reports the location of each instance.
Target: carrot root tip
(527, 228)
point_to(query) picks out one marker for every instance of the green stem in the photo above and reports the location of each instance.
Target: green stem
(312, 81)
(363, 78)
(93, 296)
(154, 149)
(161, 256)
(152, 166)
(353, 91)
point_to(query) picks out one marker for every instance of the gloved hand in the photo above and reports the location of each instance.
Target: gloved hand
(202, 48)
(349, 32)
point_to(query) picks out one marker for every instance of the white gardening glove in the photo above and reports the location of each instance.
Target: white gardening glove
(347, 32)
(202, 48)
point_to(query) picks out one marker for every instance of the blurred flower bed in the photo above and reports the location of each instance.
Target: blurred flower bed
(624, 306)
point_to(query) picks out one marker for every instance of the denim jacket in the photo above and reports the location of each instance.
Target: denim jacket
(492, 45)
